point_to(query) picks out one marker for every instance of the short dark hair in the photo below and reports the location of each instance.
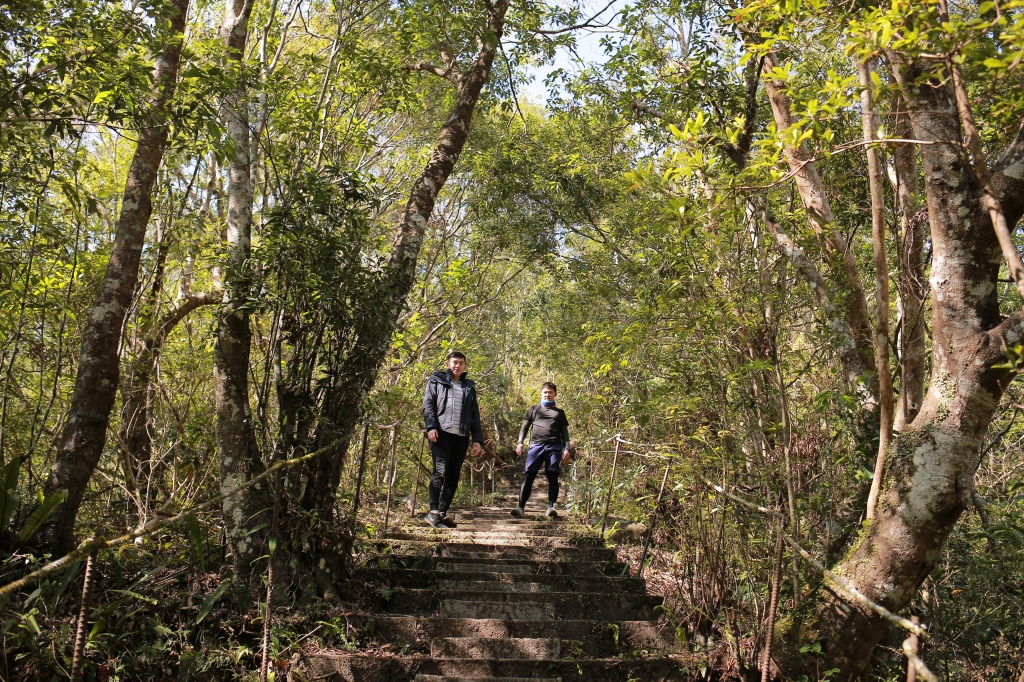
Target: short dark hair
(456, 354)
(548, 384)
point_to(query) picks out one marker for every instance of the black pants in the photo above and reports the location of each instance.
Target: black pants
(524, 494)
(448, 453)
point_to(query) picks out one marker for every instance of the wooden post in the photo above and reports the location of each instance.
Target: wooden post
(773, 603)
(78, 657)
(359, 477)
(390, 473)
(654, 519)
(611, 486)
(419, 467)
(911, 671)
(265, 659)
(590, 478)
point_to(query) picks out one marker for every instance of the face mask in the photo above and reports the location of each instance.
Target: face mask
(547, 403)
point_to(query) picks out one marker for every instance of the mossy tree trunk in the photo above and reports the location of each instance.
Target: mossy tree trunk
(929, 477)
(85, 433)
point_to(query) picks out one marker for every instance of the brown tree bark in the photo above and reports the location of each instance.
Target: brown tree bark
(240, 457)
(138, 393)
(850, 355)
(911, 284)
(96, 383)
(840, 258)
(881, 335)
(932, 462)
(346, 395)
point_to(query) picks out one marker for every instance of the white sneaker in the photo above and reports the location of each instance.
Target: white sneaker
(551, 512)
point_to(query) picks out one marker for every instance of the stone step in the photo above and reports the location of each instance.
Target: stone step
(527, 528)
(594, 638)
(443, 548)
(505, 514)
(445, 678)
(563, 605)
(482, 647)
(421, 561)
(531, 553)
(517, 610)
(377, 668)
(493, 586)
(573, 568)
(492, 577)
(501, 582)
(446, 549)
(452, 536)
(476, 568)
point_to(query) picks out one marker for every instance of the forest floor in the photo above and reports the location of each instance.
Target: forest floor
(495, 598)
(498, 598)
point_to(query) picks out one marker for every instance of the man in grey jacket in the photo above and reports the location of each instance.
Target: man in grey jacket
(452, 418)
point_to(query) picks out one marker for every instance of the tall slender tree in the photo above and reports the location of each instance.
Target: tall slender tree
(240, 457)
(929, 478)
(84, 435)
(349, 387)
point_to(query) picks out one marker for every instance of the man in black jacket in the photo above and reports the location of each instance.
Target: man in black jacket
(549, 444)
(452, 417)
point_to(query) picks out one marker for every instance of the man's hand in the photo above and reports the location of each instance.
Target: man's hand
(519, 449)
(475, 450)
(432, 435)
(565, 455)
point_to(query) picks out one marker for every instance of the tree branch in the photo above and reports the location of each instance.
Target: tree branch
(589, 23)
(426, 67)
(172, 318)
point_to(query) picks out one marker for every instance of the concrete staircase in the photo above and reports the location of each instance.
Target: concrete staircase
(499, 599)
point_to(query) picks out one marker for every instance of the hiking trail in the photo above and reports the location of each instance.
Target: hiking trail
(499, 599)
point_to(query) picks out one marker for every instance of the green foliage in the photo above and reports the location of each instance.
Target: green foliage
(612, 240)
(210, 601)
(8, 491)
(45, 506)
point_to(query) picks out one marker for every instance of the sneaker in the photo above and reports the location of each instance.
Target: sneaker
(551, 512)
(434, 519)
(445, 521)
(517, 513)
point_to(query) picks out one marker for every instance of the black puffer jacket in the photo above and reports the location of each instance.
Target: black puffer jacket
(435, 401)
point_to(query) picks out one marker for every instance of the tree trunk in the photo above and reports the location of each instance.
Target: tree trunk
(136, 428)
(134, 436)
(932, 462)
(838, 255)
(96, 383)
(911, 282)
(345, 397)
(240, 458)
(881, 336)
(850, 355)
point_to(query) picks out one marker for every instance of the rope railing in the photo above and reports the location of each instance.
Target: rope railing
(100, 543)
(843, 586)
(916, 629)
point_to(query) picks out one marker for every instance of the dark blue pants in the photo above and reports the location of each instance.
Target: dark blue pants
(548, 455)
